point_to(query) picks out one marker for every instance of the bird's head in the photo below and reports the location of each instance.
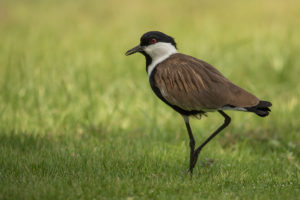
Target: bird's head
(154, 44)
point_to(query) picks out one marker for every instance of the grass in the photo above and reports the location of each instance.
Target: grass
(78, 119)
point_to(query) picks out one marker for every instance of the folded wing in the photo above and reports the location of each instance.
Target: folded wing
(192, 84)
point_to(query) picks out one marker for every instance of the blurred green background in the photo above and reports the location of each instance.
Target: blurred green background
(78, 119)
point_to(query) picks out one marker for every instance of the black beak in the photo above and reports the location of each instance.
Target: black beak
(138, 48)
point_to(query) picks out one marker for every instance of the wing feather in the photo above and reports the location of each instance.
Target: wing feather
(192, 84)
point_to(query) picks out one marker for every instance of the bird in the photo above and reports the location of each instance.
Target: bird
(192, 87)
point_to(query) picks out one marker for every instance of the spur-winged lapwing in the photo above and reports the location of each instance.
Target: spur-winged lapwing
(191, 86)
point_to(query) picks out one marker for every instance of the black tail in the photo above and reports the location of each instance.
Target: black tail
(261, 109)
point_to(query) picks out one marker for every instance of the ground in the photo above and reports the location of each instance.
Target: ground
(78, 119)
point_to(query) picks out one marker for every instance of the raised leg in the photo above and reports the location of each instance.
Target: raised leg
(197, 151)
(192, 140)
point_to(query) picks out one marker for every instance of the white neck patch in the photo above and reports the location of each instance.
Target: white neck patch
(159, 52)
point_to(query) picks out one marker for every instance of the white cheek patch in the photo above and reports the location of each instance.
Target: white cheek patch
(159, 52)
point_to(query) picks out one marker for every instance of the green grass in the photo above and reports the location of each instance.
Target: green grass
(78, 119)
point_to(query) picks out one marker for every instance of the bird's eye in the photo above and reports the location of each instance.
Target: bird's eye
(153, 41)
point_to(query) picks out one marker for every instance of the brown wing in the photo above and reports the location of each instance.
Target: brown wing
(192, 84)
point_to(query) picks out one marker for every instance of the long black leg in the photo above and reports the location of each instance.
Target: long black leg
(192, 140)
(224, 125)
